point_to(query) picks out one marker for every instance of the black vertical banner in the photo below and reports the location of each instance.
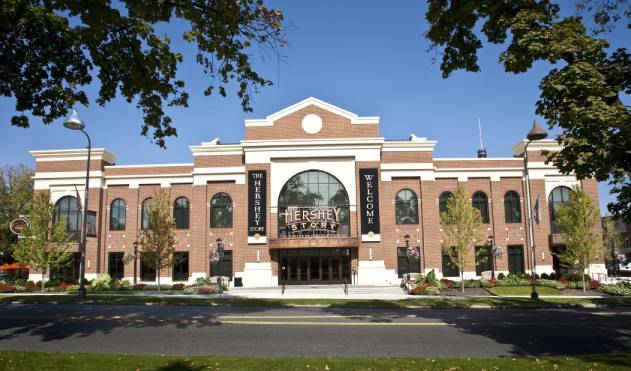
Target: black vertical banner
(369, 200)
(257, 191)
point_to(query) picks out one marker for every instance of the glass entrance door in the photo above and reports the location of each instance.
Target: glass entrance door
(314, 266)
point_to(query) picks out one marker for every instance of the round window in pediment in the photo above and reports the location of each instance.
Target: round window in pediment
(312, 123)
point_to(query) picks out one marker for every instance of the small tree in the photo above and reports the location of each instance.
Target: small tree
(578, 222)
(43, 245)
(157, 241)
(462, 229)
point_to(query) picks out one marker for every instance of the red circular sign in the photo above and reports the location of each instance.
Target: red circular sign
(18, 225)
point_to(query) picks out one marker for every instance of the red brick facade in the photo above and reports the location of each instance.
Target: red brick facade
(343, 145)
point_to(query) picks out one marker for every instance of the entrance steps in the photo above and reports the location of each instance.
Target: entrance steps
(322, 292)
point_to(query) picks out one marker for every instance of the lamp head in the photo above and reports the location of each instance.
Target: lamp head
(536, 133)
(74, 122)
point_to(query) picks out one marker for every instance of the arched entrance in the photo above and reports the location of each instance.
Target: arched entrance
(313, 205)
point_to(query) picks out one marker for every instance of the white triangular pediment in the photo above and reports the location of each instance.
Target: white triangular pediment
(311, 101)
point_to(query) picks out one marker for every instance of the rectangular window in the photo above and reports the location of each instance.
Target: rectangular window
(449, 268)
(91, 225)
(147, 267)
(68, 272)
(407, 264)
(115, 266)
(516, 259)
(483, 259)
(180, 266)
(223, 267)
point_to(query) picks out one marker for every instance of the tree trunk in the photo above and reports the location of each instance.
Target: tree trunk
(462, 277)
(158, 278)
(43, 276)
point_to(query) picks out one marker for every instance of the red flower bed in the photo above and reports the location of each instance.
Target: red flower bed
(140, 286)
(594, 284)
(448, 283)
(420, 289)
(205, 290)
(7, 288)
(64, 286)
(177, 286)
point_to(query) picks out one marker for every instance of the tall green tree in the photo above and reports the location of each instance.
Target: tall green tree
(581, 95)
(43, 245)
(50, 50)
(579, 221)
(16, 193)
(462, 230)
(157, 241)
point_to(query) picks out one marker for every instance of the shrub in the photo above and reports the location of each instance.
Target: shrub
(102, 283)
(501, 276)
(20, 282)
(52, 283)
(488, 283)
(431, 277)
(140, 286)
(201, 281)
(7, 288)
(471, 284)
(177, 286)
(189, 290)
(554, 276)
(124, 285)
(447, 283)
(65, 286)
(620, 289)
(594, 284)
(544, 276)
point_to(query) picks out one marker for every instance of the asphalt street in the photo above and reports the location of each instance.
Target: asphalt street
(197, 330)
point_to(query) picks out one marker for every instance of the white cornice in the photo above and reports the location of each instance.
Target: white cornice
(311, 101)
(550, 145)
(332, 142)
(73, 154)
(477, 159)
(145, 166)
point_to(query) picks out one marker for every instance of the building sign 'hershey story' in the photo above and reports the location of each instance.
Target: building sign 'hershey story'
(369, 200)
(256, 201)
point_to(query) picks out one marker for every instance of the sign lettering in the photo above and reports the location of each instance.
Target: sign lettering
(257, 205)
(369, 200)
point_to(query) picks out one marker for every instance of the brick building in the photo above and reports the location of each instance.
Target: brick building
(312, 195)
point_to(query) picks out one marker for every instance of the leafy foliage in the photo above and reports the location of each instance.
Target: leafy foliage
(52, 49)
(579, 222)
(44, 245)
(157, 242)
(462, 229)
(16, 193)
(581, 96)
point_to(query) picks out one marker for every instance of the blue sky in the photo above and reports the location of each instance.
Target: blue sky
(368, 57)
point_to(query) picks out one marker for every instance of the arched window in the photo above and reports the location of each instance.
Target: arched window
(559, 196)
(181, 212)
(221, 211)
(442, 201)
(512, 209)
(67, 209)
(313, 203)
(481, 202)
(147, 204)
(406, 207)
(118, 211)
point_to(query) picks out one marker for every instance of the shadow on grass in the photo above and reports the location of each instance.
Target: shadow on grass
(180, 365)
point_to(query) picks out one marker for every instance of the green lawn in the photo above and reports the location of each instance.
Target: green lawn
(11, 360)
(338, 303)
(524, 290)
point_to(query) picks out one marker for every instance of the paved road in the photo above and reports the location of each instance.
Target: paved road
(182, 330)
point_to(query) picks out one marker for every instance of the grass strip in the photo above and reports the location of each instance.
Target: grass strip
(438, 303)
(15, 360)
(523, 290)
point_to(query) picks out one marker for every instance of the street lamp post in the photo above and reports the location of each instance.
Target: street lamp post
(536, 133)
(74, 123)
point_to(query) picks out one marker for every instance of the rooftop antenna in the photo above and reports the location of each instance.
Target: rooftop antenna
(482, 150)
